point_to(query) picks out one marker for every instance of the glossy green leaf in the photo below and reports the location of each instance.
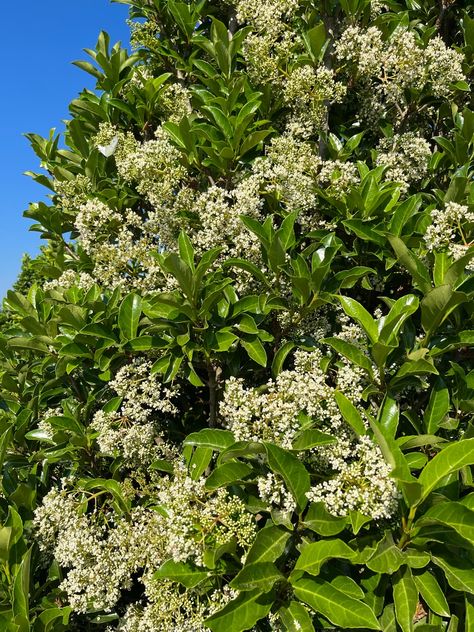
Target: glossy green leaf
(438, 305)
(432, 593)
(350, 413)
(387, 557)
(227, 474)
(314, 555)
(129, 316)
(255, 350)
(335, 605)
(260, 575)
(208, 438)
(351, 352)
(405, 598)
(312, 438)
(295, 618)
(280, 357)
(292, 471)
(242, 613)
(319, 520)
(438, 407)
(450, 459)
(458, 571)
(268, 545)
(182, 572)
(21, 587)
(356, 311)
(453, 515)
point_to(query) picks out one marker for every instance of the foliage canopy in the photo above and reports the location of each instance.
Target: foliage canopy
(237, 387)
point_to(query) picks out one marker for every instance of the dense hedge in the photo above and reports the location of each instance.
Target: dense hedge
(237, 387)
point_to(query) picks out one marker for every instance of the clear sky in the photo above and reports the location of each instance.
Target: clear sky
(37, 81)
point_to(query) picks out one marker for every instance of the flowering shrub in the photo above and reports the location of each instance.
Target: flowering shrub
(237, 386)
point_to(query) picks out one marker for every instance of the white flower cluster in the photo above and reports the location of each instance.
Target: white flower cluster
(120, 246)
(273, 413)
(100, 552)
(70, 278)
(308, 91)
(143, 393)
(266, 16)
(450, 225)
(172, 609)
(104, 554)
(292, 171)
(406, 157)
(175, 102)
(153, 166)
(269, 46)
(278, 411)
(273, 491)
(197, 519)
(44, 424)
(387, 68)
(74, 193)
(218, 213)
(361, 482)
(135, 430)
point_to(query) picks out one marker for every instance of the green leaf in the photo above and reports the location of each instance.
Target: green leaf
(207, 438)
(292, 471)
(452, 514)
(256, 351)
(129, 316)
(449, 460)
(400, 311)
(405, 597)
(438, 407)
(242, 613)
(387, 557)
(227, 474)
(351, 352)
(416, 367)
(200, 461)
(388, 416)
(314, 555)
(437, 305)
(5, 439)
(392, 453)
(412, 263)
(403, 213)
(311, 438)
(334, 604)
(186, 250)
(21, 588)
(258, 576)
(173, 264)
(469, 601)
(350, 413)
(280, 357)
(458, 571)
(348, 586)
(269, 545)
(295, 618)
(358, 520)
(51, 615)
(315, 39)
(356, 311)
(432, 593)
(416, 558)
(181, 572)
(319, 520)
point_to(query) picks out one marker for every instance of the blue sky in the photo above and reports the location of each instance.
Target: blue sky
(40, 40)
